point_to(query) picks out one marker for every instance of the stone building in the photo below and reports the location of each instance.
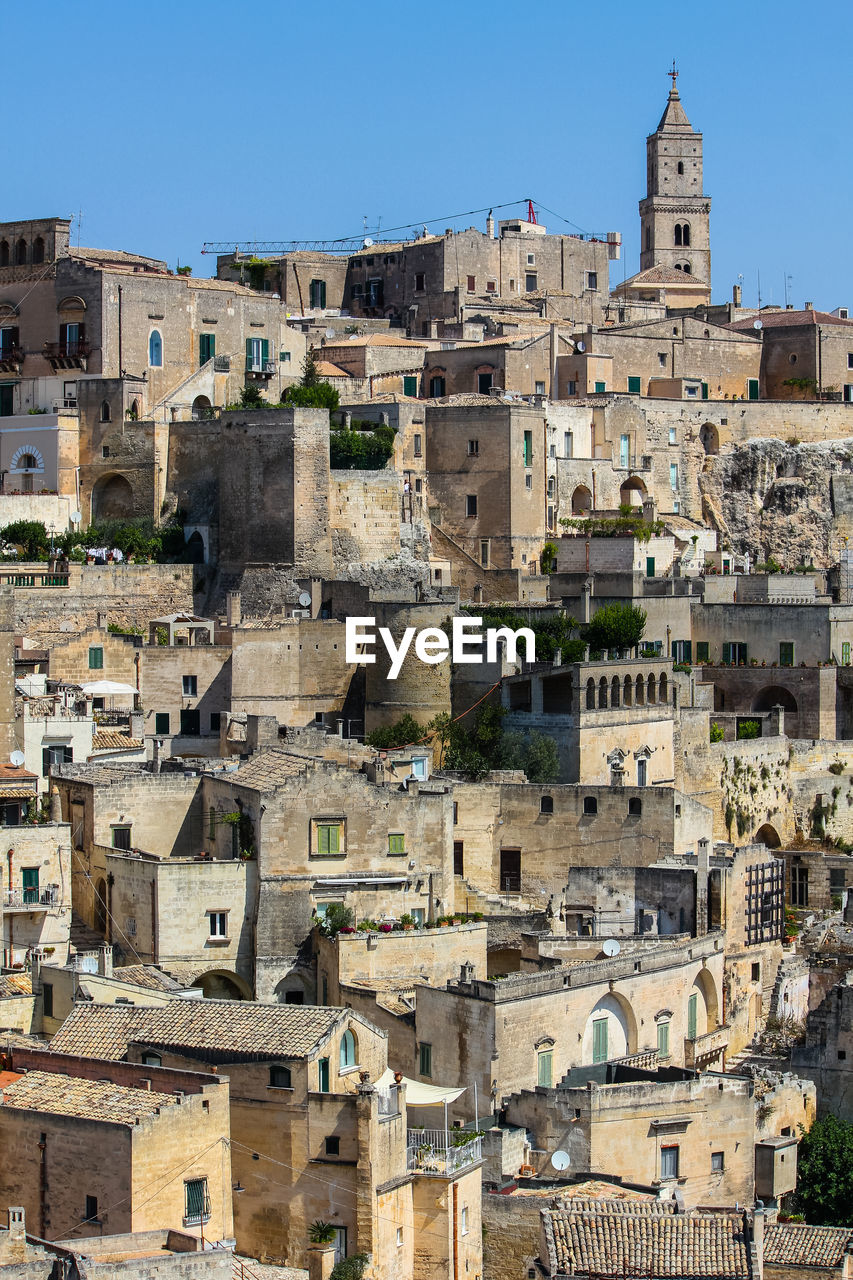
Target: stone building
(307, 1121)
(109, 1146)
(805, 355)
(35, 907)
(826, 1055)
(665, 1126)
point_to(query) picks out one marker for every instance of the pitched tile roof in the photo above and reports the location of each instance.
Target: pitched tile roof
(115, 740)
(326, 369)
(663, 275)
(15, 984)
(64, 1095)
(635, 1240)
(268, 769)
(789, 319)
(146, 975)
(212, 1030)
(798, 1244)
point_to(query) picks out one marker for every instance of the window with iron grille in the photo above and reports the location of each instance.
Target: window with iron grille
(196, 1202)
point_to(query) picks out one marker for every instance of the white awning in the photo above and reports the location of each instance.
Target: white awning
(418, 1094)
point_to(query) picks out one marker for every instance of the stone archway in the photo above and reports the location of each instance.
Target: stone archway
(581, 501)
(112, 498)
(769, 836)
(220, 984)
(776, 695)
(620, 1037)
(632, 492)
(708, 1004)
(294, 988)
(201, 409)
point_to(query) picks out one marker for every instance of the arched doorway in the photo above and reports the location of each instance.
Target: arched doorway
(194, 549)
(776, 695)
(769, 836)
(581, 501)
(709, 438)
(202, 408)
(611, 1030)
(112, 498)
(220, 985)
(703, 1006)
(632, 492)
(295, 988)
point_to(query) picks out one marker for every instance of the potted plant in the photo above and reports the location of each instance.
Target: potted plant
(321, 1233)
(407, 921)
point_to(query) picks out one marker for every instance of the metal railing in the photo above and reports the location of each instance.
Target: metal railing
(66, 350)
(13, 579)
(428, 1152)
(27, 899)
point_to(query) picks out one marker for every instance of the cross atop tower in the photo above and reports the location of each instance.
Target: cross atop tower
(674, 75)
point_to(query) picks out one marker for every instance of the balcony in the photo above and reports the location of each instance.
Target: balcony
(11, 359)
(31, 899)
(434, 1153)
(261, 368)
(703, 1050)
(67, 355)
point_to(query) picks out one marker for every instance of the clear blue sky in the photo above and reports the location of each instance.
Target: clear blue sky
(172, 123)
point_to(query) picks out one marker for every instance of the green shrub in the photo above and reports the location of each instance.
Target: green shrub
(717, 732)
(616, 626)
(748, 729)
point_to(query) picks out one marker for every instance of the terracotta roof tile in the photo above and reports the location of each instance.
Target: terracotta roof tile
(15, 984)
(215, 1030)
(798, 1244)
(789, 319)
(115, 740)
(89, 1099)
(624, 1239)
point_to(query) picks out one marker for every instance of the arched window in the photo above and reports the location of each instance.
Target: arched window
(651, 690)
(685, 234)
(602, 692)
(105, 411)
(648, 238)
(4, 253)
(27, 462)
(590, 694)
(627, 692)
(614, 691)
(686, 268)
(279, 1077)
(21, 253)
(662, 687)
(546, 804)
(678, 239)
(640, 690)
(38, 249)
(155, 349)
(347, 1050)
(678, 266)
(680, 167)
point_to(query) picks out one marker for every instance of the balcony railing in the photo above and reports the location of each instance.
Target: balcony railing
(429, 1152)
(30, 899)
(702, 1049)
(11, 355)
(14, 579)
(66, 350)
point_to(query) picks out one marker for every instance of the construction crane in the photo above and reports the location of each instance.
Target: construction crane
(276, 248)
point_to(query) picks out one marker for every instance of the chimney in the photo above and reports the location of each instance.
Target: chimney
(35, 970)
(737, 294)
(102, 621)
(466, 972)
(490, 226)
(105, 961)
(809, 306)
(233, 610)
(17, 1223)
(156, 748)
(137, 724)
(55, 805)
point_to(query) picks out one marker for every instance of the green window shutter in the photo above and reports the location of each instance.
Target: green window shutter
(650, 566)
(600, 387)
(96, 658)
(634, 386)
(425, 1064)
(161, 722)
(45, 762)
(323, 1073)
(265, 350)
(691, 1016)
(544, 1071)
(845, 653)
(704, 391)
(753, 388)
(663, 1039)
(786, 653)
(687, 650)
(410, 386)
(599, 1040)
(248, 353)
(727, 652)
(702, 651)
(396, 843)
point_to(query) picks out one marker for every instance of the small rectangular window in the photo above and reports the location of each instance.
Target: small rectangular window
(756, 972)
(328, 838)
(544, 1068)
(333, 1146)
(663, 1039)
(284, 357)
(673, 435)
(121, 837)
(189, 686)
(590, 805)
(206, 347)
(161, 722)
(197, 1202)
(484, 552)
(531, 259)
(635, 386)
(669, 1162)
(396, 842)
(105, 451)
(600, 388)
(718, 1161)
(410, 386)
(662, 359)
(47, 999)
(471, 504)
(786, 653)
(592, 279)
(571, 390)
(280, 1077)
(673, 475)
(850, 359)
(190, 722)
(418, 445)
(473, 448)
(420, 281)
(458, 858)
(96, 658)
(463, 1220)
(425, 1060)
(702, 651)
(218, 924)
(528, 481)
(399, 1237)
(472, 284)
(539, 389)
(91, 1208)
(323, 1075)
(530, 282)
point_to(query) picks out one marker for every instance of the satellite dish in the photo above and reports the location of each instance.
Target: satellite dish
(17, 758)
(580, 346)
(330, 333)
(76, 516)
(367, 242)
(611, 947)
(304, 599)
(561, 1160)
(758, 324)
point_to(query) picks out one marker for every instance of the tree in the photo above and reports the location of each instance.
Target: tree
(824, 1191)
(29, 535)
(321, 396)
(404, 733)
(251, 398)
(548, 558)
(616, 626)
(542, 760)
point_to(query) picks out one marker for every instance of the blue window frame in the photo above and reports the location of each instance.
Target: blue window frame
(155, 349)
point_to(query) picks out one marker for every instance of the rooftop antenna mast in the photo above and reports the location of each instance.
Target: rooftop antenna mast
(79, 223)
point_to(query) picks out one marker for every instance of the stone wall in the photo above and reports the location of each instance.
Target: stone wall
(129, 594)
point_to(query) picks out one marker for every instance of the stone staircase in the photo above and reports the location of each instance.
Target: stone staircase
(84, 938)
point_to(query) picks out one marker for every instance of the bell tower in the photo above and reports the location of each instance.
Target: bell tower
(674, 214)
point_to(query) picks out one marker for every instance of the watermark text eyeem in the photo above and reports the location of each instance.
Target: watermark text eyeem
(432, 645)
